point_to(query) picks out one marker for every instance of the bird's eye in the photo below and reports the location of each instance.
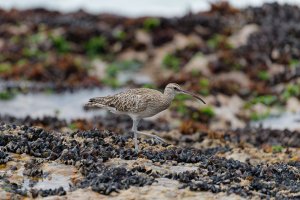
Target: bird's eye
(175, 88)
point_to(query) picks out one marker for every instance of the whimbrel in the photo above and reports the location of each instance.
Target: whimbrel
(139, 103)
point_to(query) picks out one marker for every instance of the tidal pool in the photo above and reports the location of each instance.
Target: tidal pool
(65, 105)
(289, 121)
(59, 175)
(55, 175)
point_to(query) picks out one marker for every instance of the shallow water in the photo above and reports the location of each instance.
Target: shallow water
(53, 182)
(55, 174)
(66, 105)
(132, 8)
(59, 176)
(289, 121)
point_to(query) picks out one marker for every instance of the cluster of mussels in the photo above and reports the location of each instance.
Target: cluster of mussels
(270, 45)
(4, 157)
(32, 168)
(260, 136)
(232, 176)
(90, 150)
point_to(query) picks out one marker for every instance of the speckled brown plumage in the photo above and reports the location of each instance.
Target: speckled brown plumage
(138, 104)
(141, 101)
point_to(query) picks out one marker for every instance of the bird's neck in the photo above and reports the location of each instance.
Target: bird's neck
(169, 95)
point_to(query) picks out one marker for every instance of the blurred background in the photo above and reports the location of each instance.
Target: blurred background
(55, 55)
(133, 8)
(242, 57)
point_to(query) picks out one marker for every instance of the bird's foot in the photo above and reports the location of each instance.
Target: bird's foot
(153, 136)
(136, 149)
(159, 139)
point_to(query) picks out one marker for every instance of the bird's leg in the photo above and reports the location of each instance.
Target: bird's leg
(153, 136)
(135, 132)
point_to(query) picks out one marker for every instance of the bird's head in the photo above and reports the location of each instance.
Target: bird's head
(174, 88)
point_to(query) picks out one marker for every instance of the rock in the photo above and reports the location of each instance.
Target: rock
(182, 41)
(241, 37)
(236, 155)
(234, 76)
(226, 114)
(131, 54)
(143, 37)
(275, 69)
(200, 63)
(18, 30)
(293, 105)
(98, 70)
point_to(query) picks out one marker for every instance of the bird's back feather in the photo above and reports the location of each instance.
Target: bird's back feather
(130, 101)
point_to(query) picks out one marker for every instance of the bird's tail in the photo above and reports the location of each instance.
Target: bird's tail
(95, 103)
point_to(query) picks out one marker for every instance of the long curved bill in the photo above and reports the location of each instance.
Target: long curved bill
(193, 95)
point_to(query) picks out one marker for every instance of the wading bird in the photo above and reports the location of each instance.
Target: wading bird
(139, 103)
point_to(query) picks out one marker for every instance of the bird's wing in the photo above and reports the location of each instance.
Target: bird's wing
(132, 100)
